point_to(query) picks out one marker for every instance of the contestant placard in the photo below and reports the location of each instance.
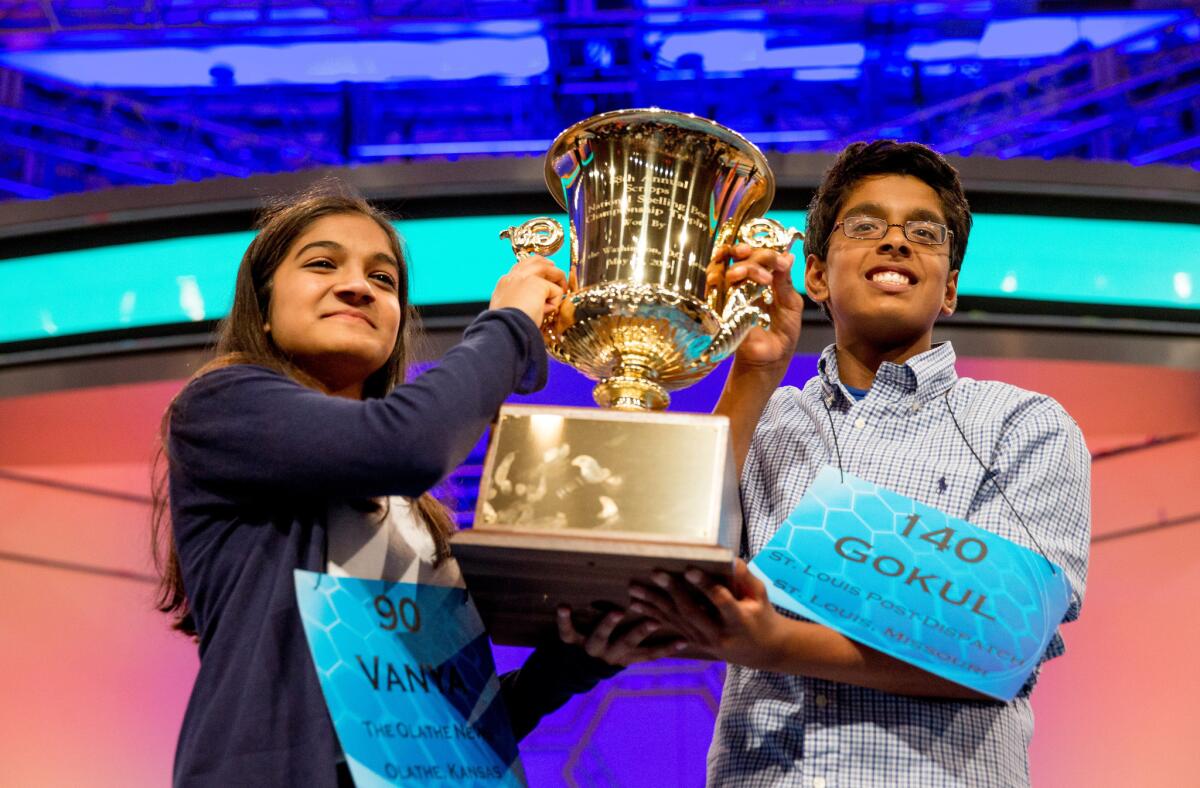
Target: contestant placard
(408, 677)
(913, 582)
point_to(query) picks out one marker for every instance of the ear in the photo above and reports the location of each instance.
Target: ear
(950, 299)
(816, 280)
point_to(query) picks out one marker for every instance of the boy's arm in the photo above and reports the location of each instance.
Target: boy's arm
(740, 625)
(745, 396)
(1045, 470)
(1043, 465)
(763, 357)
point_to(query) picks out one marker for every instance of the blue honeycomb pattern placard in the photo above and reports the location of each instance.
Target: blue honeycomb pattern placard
(911, 581)
(407, 674)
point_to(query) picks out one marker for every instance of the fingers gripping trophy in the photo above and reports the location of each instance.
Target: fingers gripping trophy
(576, 502)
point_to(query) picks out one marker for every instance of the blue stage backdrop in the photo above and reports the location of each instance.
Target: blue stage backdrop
(131, 92)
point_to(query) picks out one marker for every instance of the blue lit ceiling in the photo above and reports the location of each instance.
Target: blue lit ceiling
(154, 91)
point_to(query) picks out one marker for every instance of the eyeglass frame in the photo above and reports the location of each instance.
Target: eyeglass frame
(887, 226)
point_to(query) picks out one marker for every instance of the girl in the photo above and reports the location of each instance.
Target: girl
(280, 454)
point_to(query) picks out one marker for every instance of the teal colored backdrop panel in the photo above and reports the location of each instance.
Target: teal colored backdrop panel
(457, 260)
(178, 280)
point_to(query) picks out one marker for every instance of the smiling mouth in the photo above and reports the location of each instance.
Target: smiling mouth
(891, 278)
(353, 316)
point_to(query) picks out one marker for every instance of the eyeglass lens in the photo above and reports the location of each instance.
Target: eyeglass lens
(870, 228)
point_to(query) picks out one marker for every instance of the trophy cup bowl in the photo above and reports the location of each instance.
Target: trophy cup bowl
(574, 502)
(650, 195)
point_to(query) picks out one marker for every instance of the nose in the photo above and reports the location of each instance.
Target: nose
(895, 242)
(355, 288)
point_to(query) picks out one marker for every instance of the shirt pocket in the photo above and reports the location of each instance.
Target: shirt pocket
(947, 484)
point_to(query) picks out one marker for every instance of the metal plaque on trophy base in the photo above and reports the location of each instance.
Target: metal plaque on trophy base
(575, 503)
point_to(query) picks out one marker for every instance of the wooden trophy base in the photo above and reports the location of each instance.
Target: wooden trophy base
(519, 580)
(577, 503)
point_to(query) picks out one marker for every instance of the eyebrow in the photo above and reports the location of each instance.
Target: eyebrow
(337, 247)
(927, 215)
(867, 208)
(875, 209)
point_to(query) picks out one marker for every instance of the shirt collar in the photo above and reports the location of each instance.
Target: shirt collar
(926, 375)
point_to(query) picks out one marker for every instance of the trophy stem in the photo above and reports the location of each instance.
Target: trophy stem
(631, 388)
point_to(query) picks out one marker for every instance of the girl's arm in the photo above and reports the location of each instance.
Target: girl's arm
(552, 675)
(250, 429)
(557, 671)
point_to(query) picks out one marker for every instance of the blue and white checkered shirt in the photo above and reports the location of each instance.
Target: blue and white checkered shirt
(782, 730)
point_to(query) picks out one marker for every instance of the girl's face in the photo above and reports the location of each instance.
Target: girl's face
(335, 305)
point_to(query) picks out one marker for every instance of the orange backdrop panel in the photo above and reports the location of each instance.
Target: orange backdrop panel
(94, 684)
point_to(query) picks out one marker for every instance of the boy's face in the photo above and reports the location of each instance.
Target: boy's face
(886, 292)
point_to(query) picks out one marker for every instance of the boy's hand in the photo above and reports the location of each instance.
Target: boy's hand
(737, 624)
(771, 269)
(763, 357)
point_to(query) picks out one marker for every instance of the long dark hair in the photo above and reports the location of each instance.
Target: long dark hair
(241, 339)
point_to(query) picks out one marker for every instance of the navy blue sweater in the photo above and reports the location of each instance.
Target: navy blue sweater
(255, 459)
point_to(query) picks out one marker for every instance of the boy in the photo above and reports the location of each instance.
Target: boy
(804, 705)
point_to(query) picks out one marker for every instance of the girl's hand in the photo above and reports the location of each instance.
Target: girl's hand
(534, 285)
(737, 624)
(619, 638)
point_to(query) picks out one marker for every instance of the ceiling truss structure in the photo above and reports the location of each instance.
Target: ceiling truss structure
(107, 139)
(1137, 100)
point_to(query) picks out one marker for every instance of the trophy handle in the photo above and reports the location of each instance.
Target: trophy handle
(762, 233)
(542, 235)
(742, 311)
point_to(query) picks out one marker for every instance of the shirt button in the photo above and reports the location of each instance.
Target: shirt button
(859, 423)
(818, 782)
(916, 406)
(821, 701)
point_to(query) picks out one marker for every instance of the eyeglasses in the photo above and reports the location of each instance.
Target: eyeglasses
(872, 228)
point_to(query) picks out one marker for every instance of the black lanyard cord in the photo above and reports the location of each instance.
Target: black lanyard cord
(836, 447)
(990, 475)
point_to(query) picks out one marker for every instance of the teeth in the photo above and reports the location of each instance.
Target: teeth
(890, 277)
